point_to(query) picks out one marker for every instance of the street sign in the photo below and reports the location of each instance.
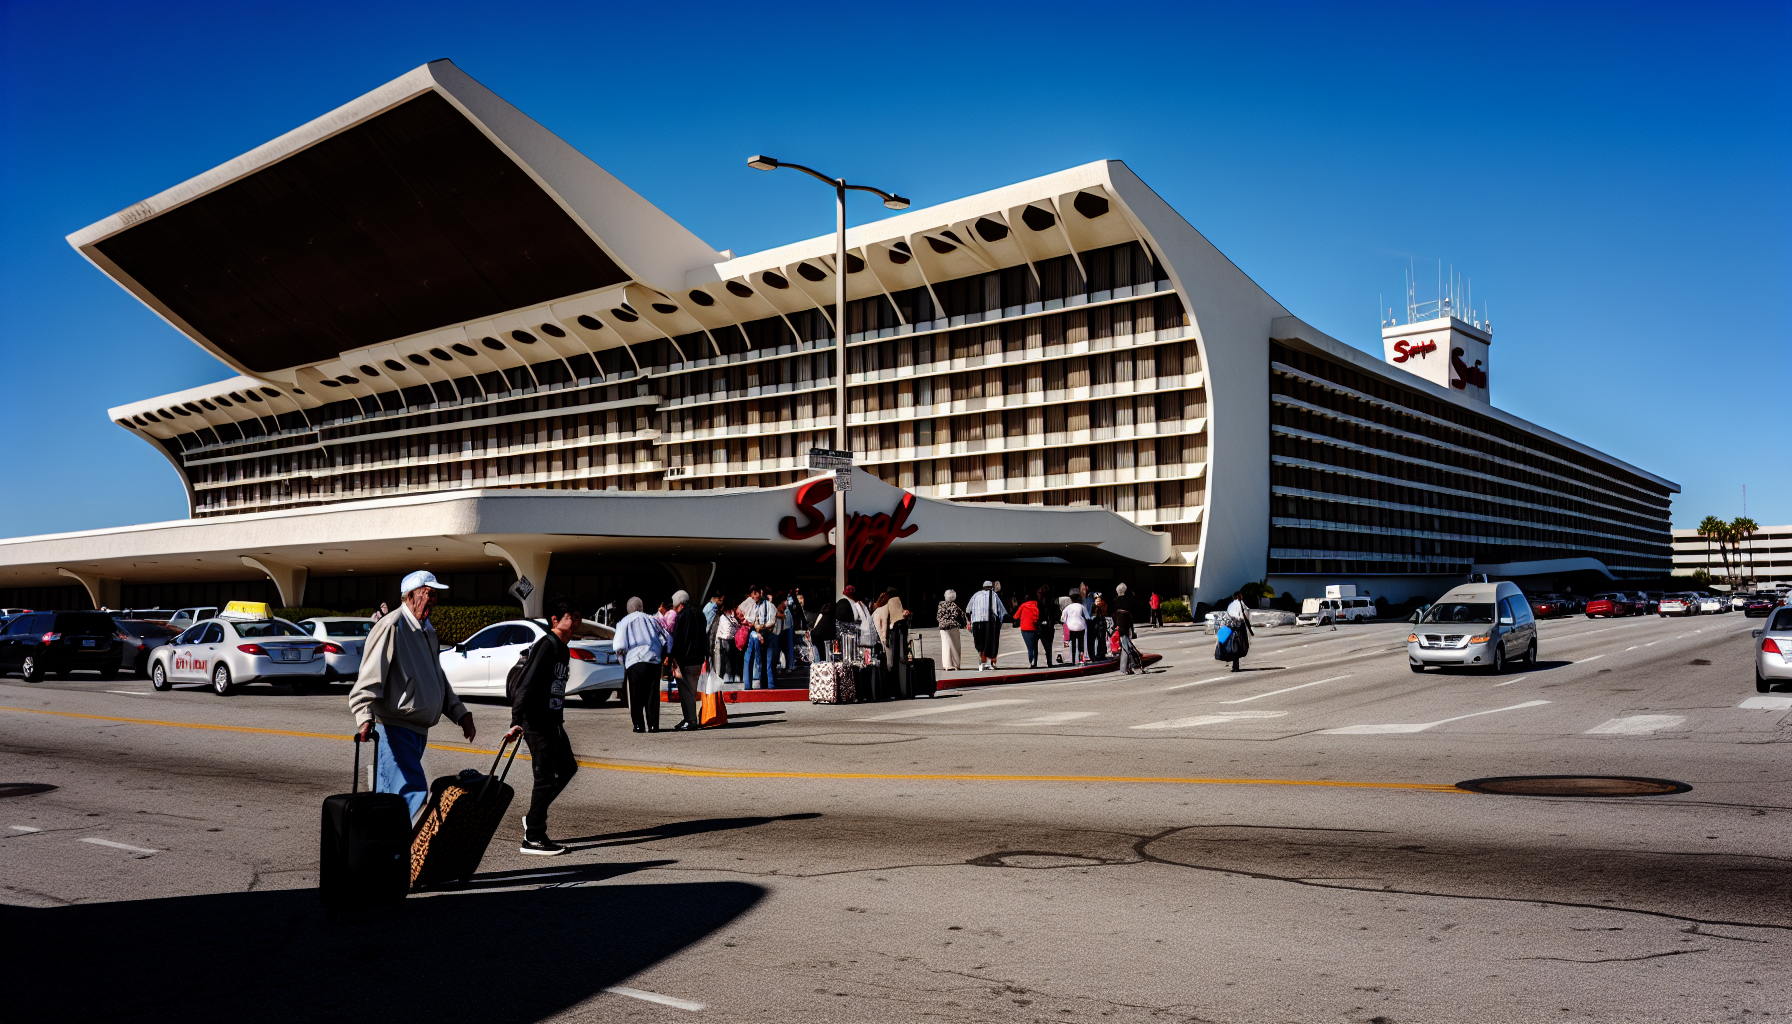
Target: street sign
(843, 479)
(828, 458)
(522, 588)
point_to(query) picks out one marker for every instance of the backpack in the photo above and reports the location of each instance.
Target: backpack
(513, 680)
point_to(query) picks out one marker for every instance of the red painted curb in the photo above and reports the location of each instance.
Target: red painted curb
(1031, 676)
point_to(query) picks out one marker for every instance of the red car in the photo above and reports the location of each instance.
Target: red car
(1610, 606)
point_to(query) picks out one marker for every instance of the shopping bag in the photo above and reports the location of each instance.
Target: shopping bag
(1225, 634)
(711, 710)
(709, 682)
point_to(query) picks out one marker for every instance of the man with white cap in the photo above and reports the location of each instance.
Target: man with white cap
(987, 612)
(401, 691)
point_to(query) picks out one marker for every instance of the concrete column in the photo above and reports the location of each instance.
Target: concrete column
(529, 563)
(103, 591)
(288, 578)
(692, 577)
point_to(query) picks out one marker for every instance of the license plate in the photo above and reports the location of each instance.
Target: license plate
(289, 654)
(87, 643)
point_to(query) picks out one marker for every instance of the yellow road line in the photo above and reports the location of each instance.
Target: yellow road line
(734, 773)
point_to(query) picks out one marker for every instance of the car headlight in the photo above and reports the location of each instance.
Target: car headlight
(1480, 639)
(1412, 638)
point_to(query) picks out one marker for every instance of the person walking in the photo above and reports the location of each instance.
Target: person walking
(720, 635)
(643, 642)
(951, 620)
(1028, 617)
(1097, 636)
(1123, 628)
(761, 618)
(1240, 620)
(1157, 612)
(1076, 626)
(986, 614)
(690, 646)
(401, 692)
(538, 716)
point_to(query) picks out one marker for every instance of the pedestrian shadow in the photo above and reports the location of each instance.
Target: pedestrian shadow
(677, 829)
(510, 957)
(551, 875)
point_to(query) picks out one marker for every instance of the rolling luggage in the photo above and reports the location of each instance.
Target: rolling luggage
(458, 822)
(921, 679)
(365, 839)
(832, 682)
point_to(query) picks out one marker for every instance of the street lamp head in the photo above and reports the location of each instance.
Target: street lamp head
(896, 203)
(762, 163)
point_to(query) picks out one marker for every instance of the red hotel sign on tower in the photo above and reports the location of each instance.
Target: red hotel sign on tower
(867, 536)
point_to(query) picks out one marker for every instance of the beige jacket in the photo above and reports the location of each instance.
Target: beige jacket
(884, 617)
(401, 681)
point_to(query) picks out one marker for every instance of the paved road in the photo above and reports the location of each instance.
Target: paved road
(1279, 844)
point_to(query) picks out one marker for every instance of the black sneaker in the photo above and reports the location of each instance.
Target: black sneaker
(542, 847)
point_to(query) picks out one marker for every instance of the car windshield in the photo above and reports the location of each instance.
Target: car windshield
(1782, 621)
(274, 627)
(144, 630)
(1457, 611)
(348, 629)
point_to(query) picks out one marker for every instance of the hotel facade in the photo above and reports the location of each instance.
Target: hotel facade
(427, 297)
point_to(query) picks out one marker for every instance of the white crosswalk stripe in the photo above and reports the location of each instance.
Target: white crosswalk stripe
(1375, 730)
(1767, 703)
(1287, 689)
(949, 707)
(1636, 725)
(1055, 718)
(1213, 719)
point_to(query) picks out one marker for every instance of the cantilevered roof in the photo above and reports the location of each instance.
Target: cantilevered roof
(426, 202)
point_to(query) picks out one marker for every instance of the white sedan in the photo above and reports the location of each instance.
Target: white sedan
(227, 653)
(479, 664)
(343, 639)
(1712, 603)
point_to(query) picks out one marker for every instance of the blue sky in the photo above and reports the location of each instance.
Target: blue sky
(1615, 179)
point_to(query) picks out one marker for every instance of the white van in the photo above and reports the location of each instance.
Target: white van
(1324, 611)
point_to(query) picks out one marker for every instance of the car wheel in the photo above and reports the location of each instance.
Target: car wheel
(158, 677)
(1530, 656)
(1499, 659)
(1761, 684)
(221, 684)
(31, 669)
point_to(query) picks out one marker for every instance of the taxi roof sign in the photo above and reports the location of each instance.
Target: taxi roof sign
(247, 610)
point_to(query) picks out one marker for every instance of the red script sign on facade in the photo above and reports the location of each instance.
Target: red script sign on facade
(867, 536)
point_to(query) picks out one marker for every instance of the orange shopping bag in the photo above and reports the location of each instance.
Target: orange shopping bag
(711, 711)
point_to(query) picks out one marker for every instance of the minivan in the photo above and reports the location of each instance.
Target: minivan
(1479, 625)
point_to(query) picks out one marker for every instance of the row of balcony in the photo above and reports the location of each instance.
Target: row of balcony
(441, 459)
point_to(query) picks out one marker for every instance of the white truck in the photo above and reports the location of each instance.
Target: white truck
(1341, 603)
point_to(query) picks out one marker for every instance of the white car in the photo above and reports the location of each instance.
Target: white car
(188, 616)
(227, 653)
(479, 664)
(1324, 611)
(1773, 651)
(1711, 603)
(343, 638)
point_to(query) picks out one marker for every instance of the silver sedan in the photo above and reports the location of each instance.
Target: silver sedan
(343, 638)
(1773, 650)
(227, 653)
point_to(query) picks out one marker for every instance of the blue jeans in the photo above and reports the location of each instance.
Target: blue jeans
(401, 766)
(1031, 636)
(759, 662)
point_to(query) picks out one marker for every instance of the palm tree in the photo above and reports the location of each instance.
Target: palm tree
(1715, 529)
(1742, 529)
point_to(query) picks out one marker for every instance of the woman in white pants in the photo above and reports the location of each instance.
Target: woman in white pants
(951, 620)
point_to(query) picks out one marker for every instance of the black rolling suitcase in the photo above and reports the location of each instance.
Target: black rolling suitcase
(921, 679)
(365, 858)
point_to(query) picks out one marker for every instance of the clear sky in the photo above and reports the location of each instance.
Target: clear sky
(1616, 179)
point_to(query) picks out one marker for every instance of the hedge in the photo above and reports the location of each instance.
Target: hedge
(295, 614)
(1175, 610)
(456, 622)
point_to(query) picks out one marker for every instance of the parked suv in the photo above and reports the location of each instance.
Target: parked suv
(55, 643)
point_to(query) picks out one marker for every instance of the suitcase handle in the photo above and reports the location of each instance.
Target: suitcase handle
(354, 785)
(515, 745)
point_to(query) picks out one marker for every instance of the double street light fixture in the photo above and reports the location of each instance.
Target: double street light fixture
(894, 202)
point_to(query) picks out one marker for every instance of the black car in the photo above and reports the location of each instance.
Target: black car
(139, 637)
(45, 643)
(1759, 606)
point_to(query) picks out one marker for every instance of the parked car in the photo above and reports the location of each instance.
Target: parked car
(188, 616)
(1773, 651)
(1711, 604)
(479, 664)
(139, 637)
(1650, 600)
(162, 615)
(343, 639)
(39, 644)
(1759, 605)
(1738, 600)
(1324, 611)
(230, 653)
(1611, 606)
(1548, 606)
(1676, 604)
(1485, 625)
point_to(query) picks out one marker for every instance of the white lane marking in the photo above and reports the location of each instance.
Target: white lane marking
(1214, 719)
(653, 997)
(1582, 661)
(1651, 643)
(1198, 682)
(1374, 730)
(951, 706)
(1514, 679)
(146, 693)
(1290, 689)
(119, 846)
(1627, 650)
(24, 828)
(1767, 703)
(1055, 718)
(1635, 725)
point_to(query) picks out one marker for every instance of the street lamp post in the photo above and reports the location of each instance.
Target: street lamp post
(894, 202)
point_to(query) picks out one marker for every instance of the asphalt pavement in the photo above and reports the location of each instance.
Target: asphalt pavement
(1281, 844)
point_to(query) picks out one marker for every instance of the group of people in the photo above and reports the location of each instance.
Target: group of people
(1090, 626)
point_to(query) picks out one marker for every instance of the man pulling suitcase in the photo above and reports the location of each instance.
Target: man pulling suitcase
(537, 692)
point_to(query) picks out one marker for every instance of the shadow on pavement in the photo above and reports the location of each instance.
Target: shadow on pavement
(499, 957)
(675, 829)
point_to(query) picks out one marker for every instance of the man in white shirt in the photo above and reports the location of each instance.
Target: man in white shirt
(643, 646)
(1240, 622)
(761, 617)
(986, 612)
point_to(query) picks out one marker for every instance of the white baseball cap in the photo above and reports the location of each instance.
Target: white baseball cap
(420, 578)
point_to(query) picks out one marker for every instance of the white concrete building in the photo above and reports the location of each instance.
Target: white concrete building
(425, 293)
(1766, 556)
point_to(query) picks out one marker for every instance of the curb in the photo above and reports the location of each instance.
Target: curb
(801, 695)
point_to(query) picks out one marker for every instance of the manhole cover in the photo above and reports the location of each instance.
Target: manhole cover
(1035, 859)
(1574, 785)
(23, 788)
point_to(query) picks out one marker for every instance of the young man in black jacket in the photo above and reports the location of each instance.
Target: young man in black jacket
(538, 714)
(690, 648)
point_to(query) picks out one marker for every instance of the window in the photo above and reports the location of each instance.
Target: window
(489, 637)
(517, 633)
(270, 628)
(213, 633)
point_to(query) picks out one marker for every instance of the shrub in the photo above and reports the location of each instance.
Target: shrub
(456, 622)
(1175, 610)
(295, 614)
(1286, 603)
